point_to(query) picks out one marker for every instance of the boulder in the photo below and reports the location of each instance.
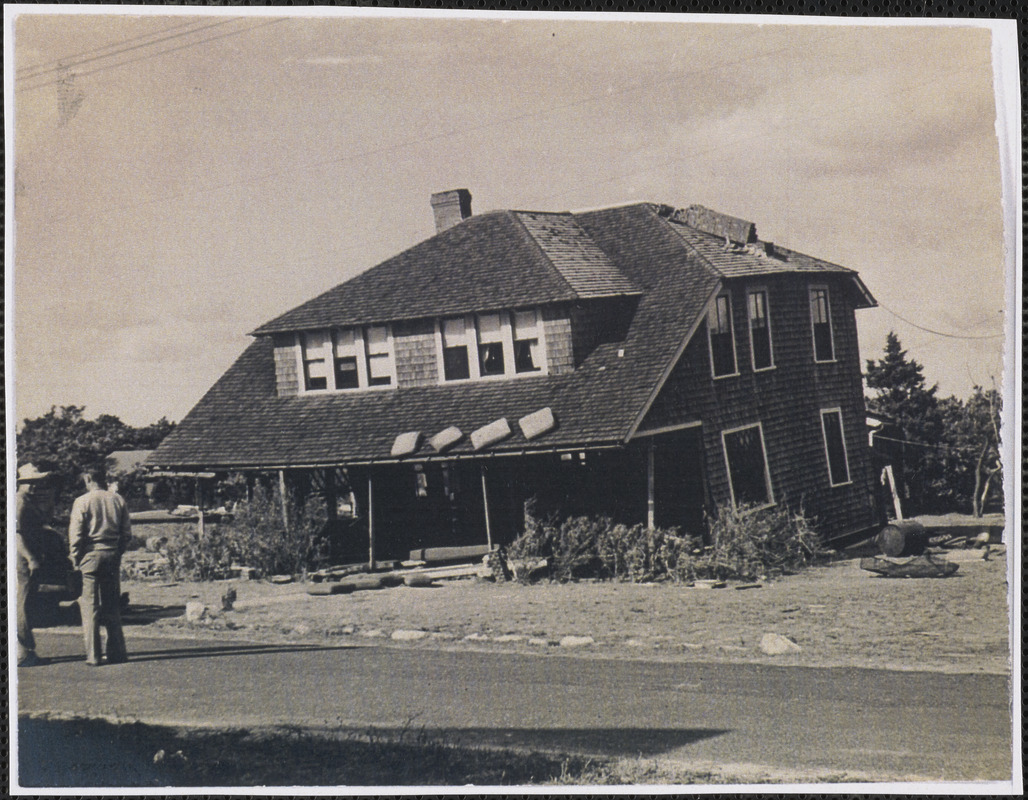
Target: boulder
(774, 644)
(195, 611)
(408, 635)
(577, 641)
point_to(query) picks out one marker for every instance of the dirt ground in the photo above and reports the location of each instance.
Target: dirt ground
(839, 615)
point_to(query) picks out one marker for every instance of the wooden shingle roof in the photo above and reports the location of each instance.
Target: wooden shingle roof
(499, 260)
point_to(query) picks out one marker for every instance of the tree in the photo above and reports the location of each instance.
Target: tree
(64, 442)
(902, 396)
(951, 458)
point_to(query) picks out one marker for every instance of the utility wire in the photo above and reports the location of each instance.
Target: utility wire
(159, 53)
(75, 59)
(925, 444)
(937, 333)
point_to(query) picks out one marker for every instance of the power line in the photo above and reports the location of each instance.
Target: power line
(74, 59)
(159, 53)
(938, 333)
(951, 448)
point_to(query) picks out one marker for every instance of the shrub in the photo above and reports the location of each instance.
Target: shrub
(753, 543)
(598, 547)
(255, 537)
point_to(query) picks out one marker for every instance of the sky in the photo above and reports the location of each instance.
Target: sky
(180, 179)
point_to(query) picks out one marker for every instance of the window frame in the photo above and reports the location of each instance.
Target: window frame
(731, 330)
(361, 354)
(767, 319)
(767, 466)
(845, 450)
(821, 287)
(472, 332)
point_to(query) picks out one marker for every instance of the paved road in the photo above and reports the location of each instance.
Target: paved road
(871, 722)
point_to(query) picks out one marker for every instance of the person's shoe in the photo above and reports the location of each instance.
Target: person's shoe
(119, 660)
(32, 660)
(93, 663)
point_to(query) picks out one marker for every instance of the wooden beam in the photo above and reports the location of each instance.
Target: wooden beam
(282, 492)
(485, 504)
(371, 524)
(650, 504)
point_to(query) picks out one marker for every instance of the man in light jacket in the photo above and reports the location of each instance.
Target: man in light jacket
(98, 534)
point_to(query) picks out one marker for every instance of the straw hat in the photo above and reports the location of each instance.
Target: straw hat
(30, 472)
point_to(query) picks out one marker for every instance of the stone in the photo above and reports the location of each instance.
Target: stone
(195, 611)
(154, 544)
(476, 637)
(577, 641)
(418, 581)
(374, 633)
(774, 644)
(540, 642)
(509, 637)
(408, 636)
(281, 578)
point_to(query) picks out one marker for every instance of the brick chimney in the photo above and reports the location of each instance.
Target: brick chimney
(450, 208)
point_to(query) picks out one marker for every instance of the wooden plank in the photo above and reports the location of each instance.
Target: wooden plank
(926, 566)
(430, 554)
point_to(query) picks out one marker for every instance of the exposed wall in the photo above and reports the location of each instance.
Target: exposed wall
(415, 348)
(786, 400)
(287, 375)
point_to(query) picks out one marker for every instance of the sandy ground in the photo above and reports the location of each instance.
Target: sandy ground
(839, 615)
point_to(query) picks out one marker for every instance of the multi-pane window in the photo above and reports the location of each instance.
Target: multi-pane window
(490, 345)
(760, 330)
(528, 355)
(456, 361)
(380, 356)
(821, 321)
(314, 346)
(347, 358)
(835, 446)
(746, 461)
(722, 338)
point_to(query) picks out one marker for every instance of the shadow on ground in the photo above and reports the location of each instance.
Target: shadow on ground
(94, 753)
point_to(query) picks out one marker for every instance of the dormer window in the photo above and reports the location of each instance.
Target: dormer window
(490, 344)
(342, 359)
(314, 346)
(528, 355)
(498, 344)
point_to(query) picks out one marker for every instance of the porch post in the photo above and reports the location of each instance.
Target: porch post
(485, 503)
(199, 509)
(650, 509)
(371, 524)
(282, 493)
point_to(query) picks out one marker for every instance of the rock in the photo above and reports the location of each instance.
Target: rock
(709, 584)
(476, 637)
(281, 579)
(540, 642)
(509, 637)
(360, 582)
(154, 544)
(774, 644)
(577, 641)
(195, 611)
(408, 636)
(301, 629)
(324, 589)
(374, 633)
(418, 581)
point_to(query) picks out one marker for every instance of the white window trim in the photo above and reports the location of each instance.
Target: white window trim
(845, 449)
(506, 340)
(361, 353)
(749, 327)
(831, 325)
(731, 327)
(767, 467)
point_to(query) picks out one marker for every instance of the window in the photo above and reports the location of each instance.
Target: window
(347, 358)
(760, 331)
(346, 374)
(746, 461)
(835, 446)
(490, 345)
(380, 356)
(821, 320)
(456, 364)
(314, 346)
(528, 355)
(721, 335)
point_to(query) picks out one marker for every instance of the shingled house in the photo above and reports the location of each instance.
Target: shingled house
(643, 362)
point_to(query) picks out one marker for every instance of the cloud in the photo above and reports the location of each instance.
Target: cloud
(334, 61)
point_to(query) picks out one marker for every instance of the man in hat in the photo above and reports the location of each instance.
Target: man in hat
(99, 532)
(31, 518)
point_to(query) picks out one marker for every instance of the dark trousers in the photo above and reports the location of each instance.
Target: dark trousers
(26, 589)
(101, 604)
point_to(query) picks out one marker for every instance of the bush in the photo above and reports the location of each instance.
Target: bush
(753, 543)
(598, 547)
(255, 537)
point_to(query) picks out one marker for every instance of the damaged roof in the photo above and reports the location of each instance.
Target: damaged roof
(494, 261)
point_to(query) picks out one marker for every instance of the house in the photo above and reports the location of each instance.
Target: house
(645, 362)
